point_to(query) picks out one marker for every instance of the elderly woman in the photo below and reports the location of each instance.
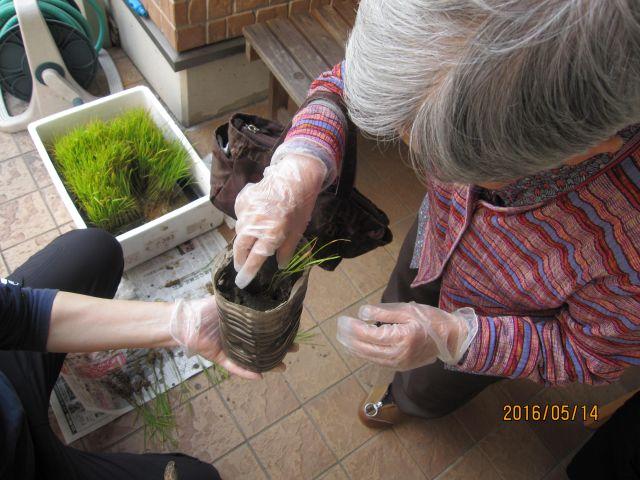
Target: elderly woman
(523, 262)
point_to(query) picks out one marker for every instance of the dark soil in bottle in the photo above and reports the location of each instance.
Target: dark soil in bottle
(260, 294)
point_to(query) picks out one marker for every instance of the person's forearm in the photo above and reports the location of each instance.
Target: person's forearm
(319, 130)
(86, 324)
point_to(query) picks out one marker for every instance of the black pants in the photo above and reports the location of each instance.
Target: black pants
(87, 262)
(430, 391)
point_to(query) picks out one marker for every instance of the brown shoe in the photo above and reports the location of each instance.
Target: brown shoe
(379, 410)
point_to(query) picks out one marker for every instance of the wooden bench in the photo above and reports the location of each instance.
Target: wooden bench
(298, 49)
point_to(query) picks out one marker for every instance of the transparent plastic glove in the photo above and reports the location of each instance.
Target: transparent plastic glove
(410, 335)
(273, 213)
(195, 325)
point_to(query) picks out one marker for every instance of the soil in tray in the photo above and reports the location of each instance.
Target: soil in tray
(257, 295)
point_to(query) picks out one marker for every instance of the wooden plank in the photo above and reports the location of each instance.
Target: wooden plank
(250, 52)
(332, 23)
(347, 11)
(278, 97)
(301, 50)
(279, 61)
(317, 36)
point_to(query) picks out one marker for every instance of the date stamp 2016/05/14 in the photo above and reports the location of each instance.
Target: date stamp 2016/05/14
(553, 412)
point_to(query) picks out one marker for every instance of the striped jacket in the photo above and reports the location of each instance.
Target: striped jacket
(554, 284)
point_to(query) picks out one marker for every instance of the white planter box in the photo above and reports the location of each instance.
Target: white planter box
(163, 233)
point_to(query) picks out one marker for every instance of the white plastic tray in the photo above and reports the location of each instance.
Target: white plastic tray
(163, 233)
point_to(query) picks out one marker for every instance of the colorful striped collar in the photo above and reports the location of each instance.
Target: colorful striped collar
(551, 183)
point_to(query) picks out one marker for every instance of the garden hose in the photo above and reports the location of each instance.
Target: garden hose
(60, 10)
(71, 33)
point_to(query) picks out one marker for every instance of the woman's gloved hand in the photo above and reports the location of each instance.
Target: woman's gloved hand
(409, 335)
(273, 213)
(195, 326)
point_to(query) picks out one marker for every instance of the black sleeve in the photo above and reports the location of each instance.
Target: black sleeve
(25, 314)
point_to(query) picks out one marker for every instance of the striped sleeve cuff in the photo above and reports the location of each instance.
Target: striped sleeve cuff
(503, 347)
(318, 130)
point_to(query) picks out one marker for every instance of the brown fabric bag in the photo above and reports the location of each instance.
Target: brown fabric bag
(243, 148)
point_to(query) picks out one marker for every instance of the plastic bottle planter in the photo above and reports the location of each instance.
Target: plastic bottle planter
(257, 339)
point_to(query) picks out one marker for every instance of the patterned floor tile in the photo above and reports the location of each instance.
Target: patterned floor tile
(4, 271)
(240, 464)
(306, 321)
(516, 452)
(391, 162)
(18, 254)
(315, 367)
(484, 412)
(399, 230)
(257, 405)
(128, 71)
(24, 142)
(55, 204)
(24, 218)
(15, 179)
(377, 190)
(210, 439)
(37, 169)
(434, 444)
(335, 413)
(329, 293)
(67, 227)
(371, 375)
(293, 448)
(370, 271)
(382, 458)
(8, 147)
(521, 390)
(474, 464)
(108, 436)
(630, 379)
(563, 437)
(334, 473)
(134, 443)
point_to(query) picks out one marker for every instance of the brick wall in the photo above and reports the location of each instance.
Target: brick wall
(190, 24)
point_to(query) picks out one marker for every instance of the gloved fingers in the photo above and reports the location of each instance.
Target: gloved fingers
(352, 329)
(294, 348)
(386, 313)
(242, 246)
(287, 249)
(373, 353)
(251, 267)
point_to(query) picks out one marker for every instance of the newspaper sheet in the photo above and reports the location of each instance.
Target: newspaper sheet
(81, 403)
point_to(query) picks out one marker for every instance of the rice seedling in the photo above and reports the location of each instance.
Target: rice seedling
(306, 338)
(121, 170)
(305, 257)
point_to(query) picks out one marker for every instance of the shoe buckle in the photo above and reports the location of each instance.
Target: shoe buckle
(372, 409)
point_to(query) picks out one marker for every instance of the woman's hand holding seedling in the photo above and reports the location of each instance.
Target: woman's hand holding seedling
(407, 335)
(195, 325)
(273, 213)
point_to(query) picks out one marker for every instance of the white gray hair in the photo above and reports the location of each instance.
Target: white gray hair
(493, 90)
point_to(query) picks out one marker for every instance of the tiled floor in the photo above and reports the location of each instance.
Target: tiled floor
(302, 423)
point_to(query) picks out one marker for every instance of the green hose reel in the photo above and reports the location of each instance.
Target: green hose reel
(69, 29)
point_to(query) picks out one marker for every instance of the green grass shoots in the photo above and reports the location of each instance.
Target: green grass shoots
(304, 258)
(122, 169)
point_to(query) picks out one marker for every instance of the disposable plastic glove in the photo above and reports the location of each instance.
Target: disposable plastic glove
(273, 213)
(195, 325)
(410, 335)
